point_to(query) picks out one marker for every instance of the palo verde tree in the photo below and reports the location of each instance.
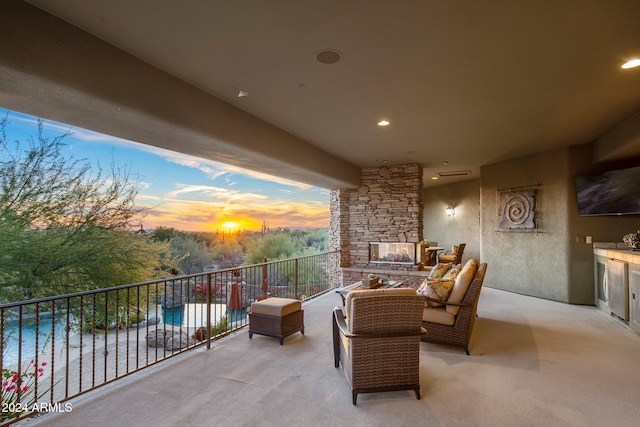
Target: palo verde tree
(63, 227)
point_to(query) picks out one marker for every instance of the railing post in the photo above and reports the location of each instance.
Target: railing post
(295, 278)
(209, 294)
(106, 334)
(265, 280)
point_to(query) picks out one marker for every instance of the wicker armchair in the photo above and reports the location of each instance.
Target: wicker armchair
(454, 256)
(377, 340)
(453, 323)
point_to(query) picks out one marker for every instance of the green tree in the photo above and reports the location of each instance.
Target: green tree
(164, 234)
(228, 254)
(274, 246)
(64, 228)
(192, 254)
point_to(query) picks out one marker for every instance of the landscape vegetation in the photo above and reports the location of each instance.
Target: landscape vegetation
(66, 226)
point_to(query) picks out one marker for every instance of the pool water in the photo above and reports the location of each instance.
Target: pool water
(195, 315)
(12, 339)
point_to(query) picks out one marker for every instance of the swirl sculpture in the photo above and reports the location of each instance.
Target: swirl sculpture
(517, 209)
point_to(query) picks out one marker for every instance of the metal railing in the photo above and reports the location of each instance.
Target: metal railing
(56, 348)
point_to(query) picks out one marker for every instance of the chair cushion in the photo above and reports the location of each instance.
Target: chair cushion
(436, 288)
(438, 315)
(439, 270)
(464, 279)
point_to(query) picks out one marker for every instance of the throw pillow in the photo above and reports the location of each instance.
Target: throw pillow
(438, 289)
(439, 270)
(452, 273)
(423, 287)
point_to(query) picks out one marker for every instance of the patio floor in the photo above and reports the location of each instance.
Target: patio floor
(533, 363)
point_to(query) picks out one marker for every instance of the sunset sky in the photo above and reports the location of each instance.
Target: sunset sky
(189, 193)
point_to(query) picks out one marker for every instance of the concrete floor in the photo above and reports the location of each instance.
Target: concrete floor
(533, 363)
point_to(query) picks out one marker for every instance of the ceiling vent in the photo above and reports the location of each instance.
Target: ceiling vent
(454, 173)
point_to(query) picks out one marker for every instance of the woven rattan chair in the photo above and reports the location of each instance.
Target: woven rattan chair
(454, 256)
(453, 323)
(378, 342)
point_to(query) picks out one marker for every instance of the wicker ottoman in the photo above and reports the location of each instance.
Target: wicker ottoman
(276, 317)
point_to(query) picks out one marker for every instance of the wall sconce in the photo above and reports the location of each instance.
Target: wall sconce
(450, 210)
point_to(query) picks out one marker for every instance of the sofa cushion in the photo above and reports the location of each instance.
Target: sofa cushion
(438, 315)
(436, 288)
(464, 279)
(439, 270)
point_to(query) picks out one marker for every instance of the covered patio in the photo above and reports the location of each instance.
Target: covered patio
(532, 362)
(519, 113)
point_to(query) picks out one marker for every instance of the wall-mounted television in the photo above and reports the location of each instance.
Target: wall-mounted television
(616, 192)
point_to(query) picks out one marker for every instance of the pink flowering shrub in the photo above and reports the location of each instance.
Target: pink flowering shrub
(16, 385)
(199, 292)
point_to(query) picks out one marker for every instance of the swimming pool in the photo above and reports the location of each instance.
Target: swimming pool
(44, 332)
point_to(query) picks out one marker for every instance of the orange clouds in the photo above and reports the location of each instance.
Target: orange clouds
(249, 214)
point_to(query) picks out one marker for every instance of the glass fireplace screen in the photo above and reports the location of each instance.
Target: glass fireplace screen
(394, 253)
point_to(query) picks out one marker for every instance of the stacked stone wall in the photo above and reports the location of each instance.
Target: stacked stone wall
(387, 207)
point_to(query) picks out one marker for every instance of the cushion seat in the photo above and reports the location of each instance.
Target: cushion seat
(276, 306)
(438, 315)
(276, 317)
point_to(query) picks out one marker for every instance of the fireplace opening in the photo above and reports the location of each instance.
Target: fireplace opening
(394, 253)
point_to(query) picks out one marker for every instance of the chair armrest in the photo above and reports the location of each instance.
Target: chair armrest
(462, 304)
(339, 320)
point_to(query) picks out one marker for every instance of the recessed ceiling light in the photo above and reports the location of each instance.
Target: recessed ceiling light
(384, 123)
(328, 56)
(631, 64)
(434, 177)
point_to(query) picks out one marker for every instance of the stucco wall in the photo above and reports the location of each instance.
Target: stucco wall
(463, 226)
(557, 262)
(534, 264)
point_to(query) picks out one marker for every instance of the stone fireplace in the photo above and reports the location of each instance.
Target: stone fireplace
(386, 208)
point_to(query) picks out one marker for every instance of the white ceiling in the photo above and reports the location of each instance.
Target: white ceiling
(465, 82)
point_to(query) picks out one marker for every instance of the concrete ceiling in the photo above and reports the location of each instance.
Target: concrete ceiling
(464, 82)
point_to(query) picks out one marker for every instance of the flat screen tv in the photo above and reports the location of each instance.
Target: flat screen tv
(615, 192)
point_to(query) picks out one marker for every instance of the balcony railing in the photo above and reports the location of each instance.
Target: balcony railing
(56, 348)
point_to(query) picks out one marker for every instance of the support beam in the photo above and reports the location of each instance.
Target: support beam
(623, 141)
(53, 70)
